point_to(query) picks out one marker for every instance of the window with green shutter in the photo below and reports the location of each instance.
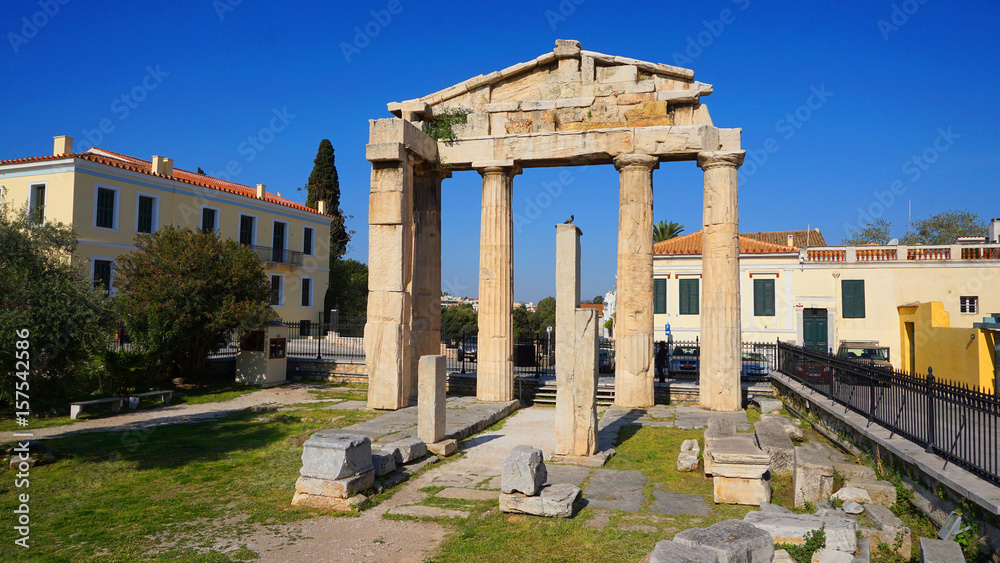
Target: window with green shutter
(763, 297)
(854, 298)
(659, 296)
(688, 296)
(105, 208)
(145, 224)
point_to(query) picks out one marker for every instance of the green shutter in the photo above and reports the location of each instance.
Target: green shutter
(659, 296)
(688, 296)
(854, 298)
(763, 298)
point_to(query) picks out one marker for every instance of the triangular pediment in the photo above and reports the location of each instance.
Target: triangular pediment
(568, 89)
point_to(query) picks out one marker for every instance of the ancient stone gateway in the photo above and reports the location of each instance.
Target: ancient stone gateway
(570, 107)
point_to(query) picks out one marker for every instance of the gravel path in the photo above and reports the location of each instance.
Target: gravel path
(177, 414)
(370, 537)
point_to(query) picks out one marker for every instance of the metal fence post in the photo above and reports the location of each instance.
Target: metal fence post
(930, 410)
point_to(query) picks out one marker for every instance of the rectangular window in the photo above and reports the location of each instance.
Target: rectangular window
(105, 208)
(307, 241)
(278, 242)
(763, 298)
(246, 230)
(688, 296)
(969, 304)
(209, 219)
(147, 207)
(277, 291)
(36, 206)
(307, 292)
(659, 296)
(102, 274)
(854, 298)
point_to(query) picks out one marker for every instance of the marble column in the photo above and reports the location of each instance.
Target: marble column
(721, 338)
(390, 239)
(634, 296)
(495, 366)
(425, 328)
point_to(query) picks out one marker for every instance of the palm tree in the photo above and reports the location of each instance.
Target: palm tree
(665, 231)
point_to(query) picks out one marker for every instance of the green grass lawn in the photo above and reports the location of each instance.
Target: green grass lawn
(167, 493)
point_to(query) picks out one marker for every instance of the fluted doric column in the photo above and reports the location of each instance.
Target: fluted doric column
(425, 327)
(495, 366)
(721, 338)
(634, 294)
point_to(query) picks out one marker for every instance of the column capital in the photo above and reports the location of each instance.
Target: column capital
(636, 160)
(431, 170)
(507, 168)
(708, 160)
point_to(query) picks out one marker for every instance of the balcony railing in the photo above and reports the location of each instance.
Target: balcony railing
(277, 255)
(901, 253)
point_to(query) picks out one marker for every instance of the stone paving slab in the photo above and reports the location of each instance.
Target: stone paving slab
(467, 494)
(617, 490)
(677, 504)
(464, 415)
(421, 511)
(346, 406)
(572, 474)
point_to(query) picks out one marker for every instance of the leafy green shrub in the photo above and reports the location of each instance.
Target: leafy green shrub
(811, 543)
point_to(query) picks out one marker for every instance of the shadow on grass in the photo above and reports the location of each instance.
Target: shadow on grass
(174, 445)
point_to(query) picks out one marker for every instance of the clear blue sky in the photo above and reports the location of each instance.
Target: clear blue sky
(215, 74)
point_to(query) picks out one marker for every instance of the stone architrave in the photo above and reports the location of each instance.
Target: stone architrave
(431, 400)
(387, 331)
(495, 370)
(634, 298)
(425, 328)
(721, 338)
(576, 353)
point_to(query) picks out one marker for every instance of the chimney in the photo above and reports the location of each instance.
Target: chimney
(791, 241)
(321, 206)
(63, 145)
(157, 165)
(168, 167)
(261, 191)
(994, 231)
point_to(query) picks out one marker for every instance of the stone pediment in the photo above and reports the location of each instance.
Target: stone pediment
(569, 89)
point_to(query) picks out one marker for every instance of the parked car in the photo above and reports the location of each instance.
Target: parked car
(811, 371)
(467, 351)
(684, 360)
(755, 364)
(867, 351)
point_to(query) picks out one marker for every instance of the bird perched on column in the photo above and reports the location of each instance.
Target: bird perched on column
(568, 221)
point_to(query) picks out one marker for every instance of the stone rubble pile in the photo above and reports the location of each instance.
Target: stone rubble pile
(523, 490)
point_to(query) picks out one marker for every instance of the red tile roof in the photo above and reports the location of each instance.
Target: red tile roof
(125, 162)
(691, 245)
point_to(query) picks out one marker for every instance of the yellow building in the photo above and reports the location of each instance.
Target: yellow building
(111, 198)
(818, 296)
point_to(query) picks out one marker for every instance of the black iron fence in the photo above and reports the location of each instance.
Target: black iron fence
(954, 421)
(341, 339)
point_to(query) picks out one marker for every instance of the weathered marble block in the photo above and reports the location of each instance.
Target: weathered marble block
(559, 500)
(336, 456)
(772, 438)
(407, 450)
(841, 530)
(732, 541)
(881, 492)
(523, 471)
(384, 463)
(431, 399)
(667, 551)
(813, 476)
(740, 472)
(687, 460)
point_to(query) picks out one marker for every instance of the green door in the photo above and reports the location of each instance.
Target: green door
(814, 330)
